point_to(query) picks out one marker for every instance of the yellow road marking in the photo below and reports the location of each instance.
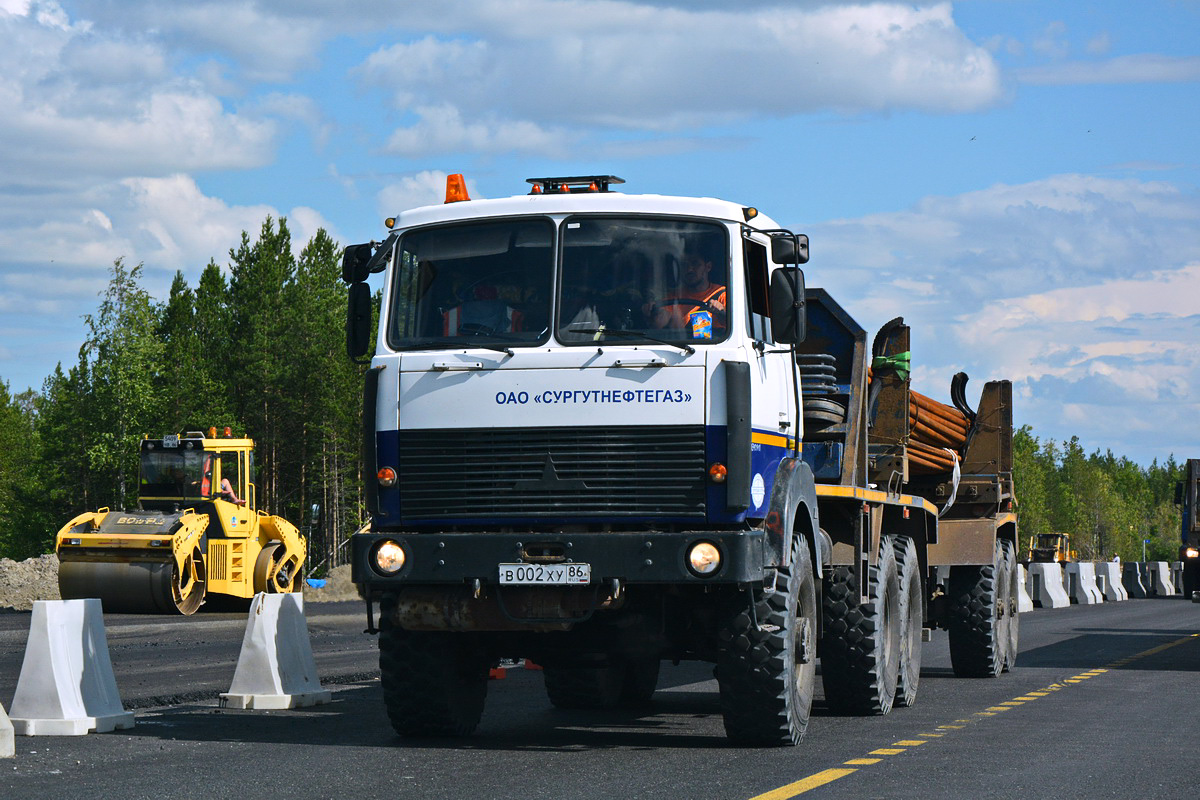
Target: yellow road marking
(802, 786)
(828, 776)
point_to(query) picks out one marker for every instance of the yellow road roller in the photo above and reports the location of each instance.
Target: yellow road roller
(196, 533)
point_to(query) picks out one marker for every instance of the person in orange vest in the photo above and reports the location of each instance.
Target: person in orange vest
(696, 294)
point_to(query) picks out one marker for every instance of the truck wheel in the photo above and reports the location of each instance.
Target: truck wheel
(976, 641)
(912, 620)
(434, 683)
(766, 673)
(584, 687)
(641, 680)
(860, 648)
(1012, 618)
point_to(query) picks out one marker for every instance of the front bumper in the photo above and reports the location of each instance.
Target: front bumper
(630, 557)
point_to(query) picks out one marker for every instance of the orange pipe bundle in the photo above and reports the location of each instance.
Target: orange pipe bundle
(933, 429)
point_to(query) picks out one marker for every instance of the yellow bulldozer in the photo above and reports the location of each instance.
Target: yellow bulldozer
(196, 533)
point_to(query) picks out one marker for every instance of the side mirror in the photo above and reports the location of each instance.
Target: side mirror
(358, 321)
(356, 261)
(789, 249)
(1178, 493)
(788, 313)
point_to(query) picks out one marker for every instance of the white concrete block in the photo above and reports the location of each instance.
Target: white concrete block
(1046, 586)
(1108, 580)
(67, 686)
(276, 668)
(1024, 601)
(1160, 578)
(1132, 579)
(1081, 583)
(1177, 576)
(8, 746)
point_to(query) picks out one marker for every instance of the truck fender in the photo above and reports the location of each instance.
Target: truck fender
(793, 493)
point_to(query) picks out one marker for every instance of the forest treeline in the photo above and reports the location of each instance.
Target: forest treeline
(258, 347)
(262, 351)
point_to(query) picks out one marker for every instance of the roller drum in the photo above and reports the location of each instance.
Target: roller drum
(139, 587)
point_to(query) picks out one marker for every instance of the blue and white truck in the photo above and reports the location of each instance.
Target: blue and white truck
(607, 430)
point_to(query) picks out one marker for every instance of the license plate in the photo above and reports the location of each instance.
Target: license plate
(546, 574)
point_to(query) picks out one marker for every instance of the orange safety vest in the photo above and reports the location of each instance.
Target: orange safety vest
(681, 317)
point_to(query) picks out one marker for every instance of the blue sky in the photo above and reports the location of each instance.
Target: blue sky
(1018, 179)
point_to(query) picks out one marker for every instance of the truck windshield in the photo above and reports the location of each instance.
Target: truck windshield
(632, 277)
(476, 284)
(174, 473)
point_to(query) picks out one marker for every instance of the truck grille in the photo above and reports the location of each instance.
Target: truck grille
(533, 473)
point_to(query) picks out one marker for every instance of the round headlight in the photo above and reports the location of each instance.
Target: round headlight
(704, 558)
(389, 557)
(1192, 552)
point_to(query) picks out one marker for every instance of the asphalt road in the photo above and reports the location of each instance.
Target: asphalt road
(1104, 703)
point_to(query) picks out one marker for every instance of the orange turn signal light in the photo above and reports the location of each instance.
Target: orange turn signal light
(717, 473)
(386, 476)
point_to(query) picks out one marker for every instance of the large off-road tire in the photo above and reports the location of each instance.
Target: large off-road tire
(584, 687)
(1191, 579)
(641, 681)
(766, 673)
(860, 646)
(434, 683)
(977, 637)
(912, 620)
(1010, 621)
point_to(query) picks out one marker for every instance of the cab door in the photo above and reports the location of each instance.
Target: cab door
(773, 408)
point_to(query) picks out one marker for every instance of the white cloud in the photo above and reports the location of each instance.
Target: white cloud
(1081, 290)
(644, 68)
(425, 188)
(1099, 44)
(269, 40)
(1142, 68)
(442, 130)
(81, 104)
(1052, 41)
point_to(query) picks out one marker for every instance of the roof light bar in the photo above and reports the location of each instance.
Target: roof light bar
(574, 184)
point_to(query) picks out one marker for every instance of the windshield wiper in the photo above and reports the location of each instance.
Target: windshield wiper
(454, 344)
(602, 331)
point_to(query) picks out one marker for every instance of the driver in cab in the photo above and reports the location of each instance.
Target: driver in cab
(695, 297)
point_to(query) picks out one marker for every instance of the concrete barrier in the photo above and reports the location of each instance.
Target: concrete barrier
(1160, 583)
(1131, 579)
(8, 747)
(1177, 576)
(1081, 585)
(67, 686)
(1024, 601)
(1046, 586)
(275, 668)
(1108, 579)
